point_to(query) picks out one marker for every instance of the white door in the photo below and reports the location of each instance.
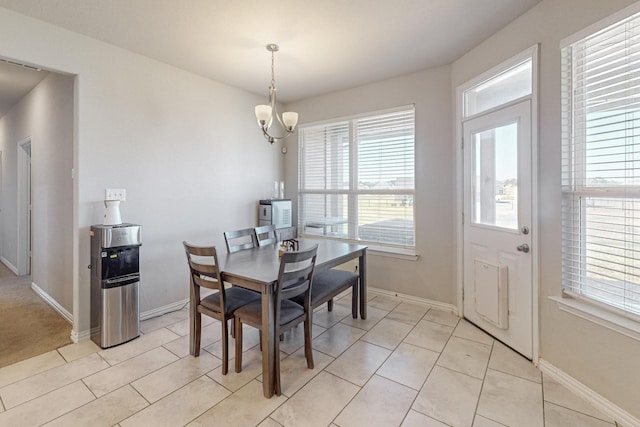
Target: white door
(497, 225)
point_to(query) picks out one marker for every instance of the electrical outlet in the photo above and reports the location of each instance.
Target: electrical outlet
(115, 194)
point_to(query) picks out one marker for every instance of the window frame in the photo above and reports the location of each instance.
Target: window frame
(352, 192)
(576, 191)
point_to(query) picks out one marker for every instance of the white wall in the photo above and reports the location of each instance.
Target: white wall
(46, 116)
(605, 361)
(430, 277)
(187, 150)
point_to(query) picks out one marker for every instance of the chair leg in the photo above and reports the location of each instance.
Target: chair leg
(233, 329)
(225, 347)
(277, 367)
(354, 299)
(308, 351)
(198, 328)
(330, 305)
(238, 328)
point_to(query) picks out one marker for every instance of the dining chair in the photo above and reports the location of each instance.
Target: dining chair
(294, 278)
(239, 240)
(329, 284)
(204, 272)
(266, 235)
(286, 233)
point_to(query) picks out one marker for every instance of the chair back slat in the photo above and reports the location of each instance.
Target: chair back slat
(266, 235)
(295, 276)
(203, 267)
(239, 240)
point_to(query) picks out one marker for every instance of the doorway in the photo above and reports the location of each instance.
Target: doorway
(497, 240)
(24, 207)
(497, 184)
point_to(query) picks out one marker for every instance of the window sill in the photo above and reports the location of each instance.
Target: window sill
(599, 316)
(377, 250)
(400, 253)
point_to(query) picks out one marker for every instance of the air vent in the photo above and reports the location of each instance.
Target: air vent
(17, 64)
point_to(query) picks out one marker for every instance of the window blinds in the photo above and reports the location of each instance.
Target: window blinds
(601, 166)
(357, 178)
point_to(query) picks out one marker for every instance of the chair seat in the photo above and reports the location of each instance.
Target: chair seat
(328, 284)
(235, 297)
(252, 313)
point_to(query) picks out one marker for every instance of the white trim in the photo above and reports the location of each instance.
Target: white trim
(600, 316)
(57, 307)
(76, 337)
(415, 300)
(392, 253)
(532, 52)
(10, 266)
(52, 302)
(400, 252)
(159, 311)
(604, 405)
(601, 24)
(23, 231)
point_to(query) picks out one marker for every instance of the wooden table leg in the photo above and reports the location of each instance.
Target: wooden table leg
(363, 284)
(268, 331)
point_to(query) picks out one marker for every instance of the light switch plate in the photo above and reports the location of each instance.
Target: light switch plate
(115, 194)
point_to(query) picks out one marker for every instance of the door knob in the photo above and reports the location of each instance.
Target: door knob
(523, 248)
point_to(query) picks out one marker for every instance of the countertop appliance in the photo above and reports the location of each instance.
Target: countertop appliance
(275, 211)
(115, 283)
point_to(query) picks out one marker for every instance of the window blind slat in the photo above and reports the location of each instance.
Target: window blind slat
(601, 149)
(372, 159)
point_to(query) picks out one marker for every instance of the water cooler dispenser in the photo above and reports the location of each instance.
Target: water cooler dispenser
(115, 283)
(275, 211)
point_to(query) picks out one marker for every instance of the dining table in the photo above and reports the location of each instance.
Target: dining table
(257, 269)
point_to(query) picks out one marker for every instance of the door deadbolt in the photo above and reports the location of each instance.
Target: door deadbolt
(525, 230)
(523, 248)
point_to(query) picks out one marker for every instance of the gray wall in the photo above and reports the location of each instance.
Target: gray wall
(45, 115)
(605, 361)
(430, 277)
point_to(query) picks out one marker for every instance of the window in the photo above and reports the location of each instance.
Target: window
(508, 86)
(357, 178)
(601, 167)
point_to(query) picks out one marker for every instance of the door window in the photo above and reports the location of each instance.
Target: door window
(495, 176)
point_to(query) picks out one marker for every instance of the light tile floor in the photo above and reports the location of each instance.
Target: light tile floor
(406, 365)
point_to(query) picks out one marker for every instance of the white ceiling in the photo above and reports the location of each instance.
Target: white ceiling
(325, 45)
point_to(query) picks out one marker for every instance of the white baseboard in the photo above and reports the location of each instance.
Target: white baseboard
(52, 302)
(605, 406)
(10, 266)
(76, 337)
(164, 309)
(415, 300)
(57, 307)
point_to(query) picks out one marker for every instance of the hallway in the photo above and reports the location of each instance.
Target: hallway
(28, 325)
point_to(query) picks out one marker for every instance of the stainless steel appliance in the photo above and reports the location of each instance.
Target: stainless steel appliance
(115, 283)
(275, 211)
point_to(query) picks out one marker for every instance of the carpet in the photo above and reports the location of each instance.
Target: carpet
(28, 325)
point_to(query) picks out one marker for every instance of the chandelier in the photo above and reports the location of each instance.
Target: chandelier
(265, 113)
